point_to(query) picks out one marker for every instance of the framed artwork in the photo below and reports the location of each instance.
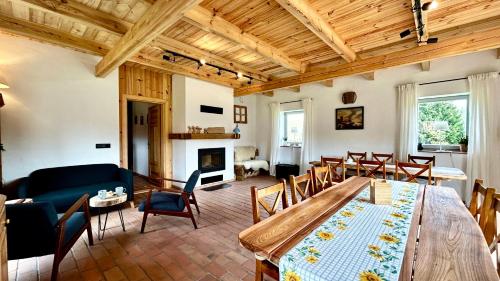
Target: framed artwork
(351, 118)
(240, 114)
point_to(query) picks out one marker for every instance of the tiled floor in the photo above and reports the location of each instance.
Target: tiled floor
(169, 250)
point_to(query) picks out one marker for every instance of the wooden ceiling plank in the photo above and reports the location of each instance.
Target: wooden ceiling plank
(311, 19)
(191, 51)
(50, 35)
(160, 16)
(74, 11)
(204, 19)
(425, 66)
(474, 42)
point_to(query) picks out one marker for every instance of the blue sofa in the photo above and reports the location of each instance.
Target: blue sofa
(64, 185)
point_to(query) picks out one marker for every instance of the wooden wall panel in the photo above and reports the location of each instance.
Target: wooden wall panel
(146, 85)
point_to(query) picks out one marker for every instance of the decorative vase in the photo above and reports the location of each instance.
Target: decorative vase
(236, 130)
(463, 147)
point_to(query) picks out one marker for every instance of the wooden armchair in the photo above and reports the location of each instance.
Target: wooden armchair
(322, 178)
(387, 157)
(171, 203)
(303, 185)
(35, 229)
(417, 159)
(368, 168)
(491, 228)
(337, 167)
(412, 171)
(479, 207)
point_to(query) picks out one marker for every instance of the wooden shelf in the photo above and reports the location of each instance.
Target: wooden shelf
(187, 136)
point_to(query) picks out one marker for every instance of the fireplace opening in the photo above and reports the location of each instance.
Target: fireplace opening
(211, 159)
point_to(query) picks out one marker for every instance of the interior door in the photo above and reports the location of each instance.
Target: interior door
(154, 140)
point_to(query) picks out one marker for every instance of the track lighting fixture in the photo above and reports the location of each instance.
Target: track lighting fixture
(432, 40)
(430, 5)
(203, 62)
(219, 72)
(249, 81)
(239, 75)
(417, 10)
(405, 33)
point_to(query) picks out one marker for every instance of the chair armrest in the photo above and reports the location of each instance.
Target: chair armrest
(83, 201)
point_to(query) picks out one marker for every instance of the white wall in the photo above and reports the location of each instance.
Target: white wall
(379, 99)
(56, 109)
(247, 131)
(140, 138)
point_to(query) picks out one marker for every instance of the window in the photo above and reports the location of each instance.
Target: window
(443, 120)
(292, 124)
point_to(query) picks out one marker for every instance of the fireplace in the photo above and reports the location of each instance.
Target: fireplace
(211, 159)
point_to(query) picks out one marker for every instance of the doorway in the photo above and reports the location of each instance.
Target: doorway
(144, 141)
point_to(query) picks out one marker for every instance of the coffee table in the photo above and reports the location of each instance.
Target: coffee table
(110, 201)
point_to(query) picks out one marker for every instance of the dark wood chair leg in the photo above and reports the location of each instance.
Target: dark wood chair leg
(55, 268)
(191, 215)
(195, 202)
(258, 270)
(144, 219)
(89, 234)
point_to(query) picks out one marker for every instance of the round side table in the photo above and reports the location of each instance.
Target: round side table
(115, 200)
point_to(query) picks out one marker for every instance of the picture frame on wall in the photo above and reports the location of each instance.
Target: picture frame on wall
(350, 118)
(240, 114)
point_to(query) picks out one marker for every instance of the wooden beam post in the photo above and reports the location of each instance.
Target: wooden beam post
(425, 66)
(310, 18)
(159, 17)
(209, 22)
(369, 76)
(473, 42)
(295, 89)
(327, 83)
(268, 94)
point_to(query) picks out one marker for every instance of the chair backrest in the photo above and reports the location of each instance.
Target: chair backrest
(369, 168)
(417, 159)
(387, 157)
(337, 167)
(27, 221)
(259, 195)
(355, 156)
(191, 182)
(490, 231)
(322, 178)
(412, 171)
(303, 185)
(480, 202)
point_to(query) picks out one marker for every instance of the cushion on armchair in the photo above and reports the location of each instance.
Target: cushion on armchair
(164, 201)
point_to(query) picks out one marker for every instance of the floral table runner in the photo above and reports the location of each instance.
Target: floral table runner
(361, 241)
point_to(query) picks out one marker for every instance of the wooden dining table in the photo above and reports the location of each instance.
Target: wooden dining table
(450, 243)
(439, 173)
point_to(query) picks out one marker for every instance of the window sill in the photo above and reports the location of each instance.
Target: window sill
(291, 146)
(445, 151)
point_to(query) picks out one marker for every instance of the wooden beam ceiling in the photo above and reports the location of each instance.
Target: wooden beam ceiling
(425, 66)
(474, 42)
(74, 11)
(369, 75)
(50, 35)
(210, 22)
(160, 16)
(310, 18)
(327, 83)
(191, 51)
(170, 67)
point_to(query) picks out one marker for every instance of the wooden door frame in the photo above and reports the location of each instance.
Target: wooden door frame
(165, 144)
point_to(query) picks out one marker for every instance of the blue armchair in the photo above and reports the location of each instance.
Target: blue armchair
(55, 233)
(171, 203)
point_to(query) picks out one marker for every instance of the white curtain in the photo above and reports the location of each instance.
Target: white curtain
(275, 136)
(483, 158)
(306, 152)
(407, 118)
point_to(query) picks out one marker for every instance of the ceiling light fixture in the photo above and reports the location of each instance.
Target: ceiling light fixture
(405, 33)
(430, 5)
(239, 75)
(203, 62)
(417, 10)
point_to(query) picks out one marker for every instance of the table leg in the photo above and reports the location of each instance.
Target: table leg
(121, 218)
(438, 181)
(99, 228)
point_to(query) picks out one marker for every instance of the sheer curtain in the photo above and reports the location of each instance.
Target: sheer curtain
(483, 158)
(407, 117)
(306, 152)
(275, 136)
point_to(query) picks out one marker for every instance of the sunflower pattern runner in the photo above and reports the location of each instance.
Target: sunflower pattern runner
(362, 241)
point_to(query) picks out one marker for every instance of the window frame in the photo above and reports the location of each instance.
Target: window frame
(285, 127)
(459, 96)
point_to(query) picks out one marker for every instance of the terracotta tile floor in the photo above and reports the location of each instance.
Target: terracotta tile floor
(169, 250)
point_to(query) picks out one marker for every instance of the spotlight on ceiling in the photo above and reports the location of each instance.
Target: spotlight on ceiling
(249, 81)
(430, 5)
(219, 72)
(166, 57)
(432, 40)
(239, 75)
(203, 62)
(405, 33)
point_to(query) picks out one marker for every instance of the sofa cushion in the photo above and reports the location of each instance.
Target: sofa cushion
(244, 153)
(64, 198)
(51, 179)
(73, 225)
(164, 201)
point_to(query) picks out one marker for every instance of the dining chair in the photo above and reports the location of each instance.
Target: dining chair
(322, 178)
(171, 203)
(337, 167)
(370, 168)
(303, 185)
(480, 203)
(259, 198)
(491, 228)
(412, 171)
(387, 157)
(417, 159)
(355, 156)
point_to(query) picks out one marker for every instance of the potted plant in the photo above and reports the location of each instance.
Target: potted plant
(463, 144)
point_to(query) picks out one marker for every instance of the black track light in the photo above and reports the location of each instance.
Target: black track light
(405, 33)
(219, 72)
(429, 5)
(249, 81)
(166, 57)
(432, 40)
